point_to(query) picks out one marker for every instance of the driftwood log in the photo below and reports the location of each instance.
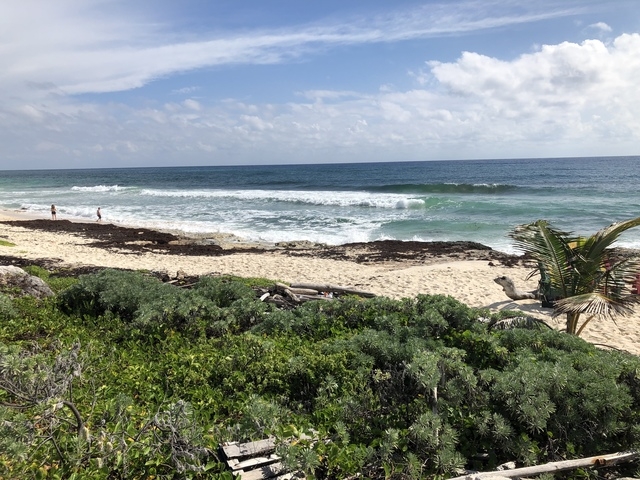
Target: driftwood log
(333, 289)
(297, 293)
(512, 292)
(597, 461)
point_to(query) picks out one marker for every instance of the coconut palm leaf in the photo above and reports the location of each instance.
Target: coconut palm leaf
(549, 247)
(527, 322)
(626, 270)
(594, 252)
(594, 303)
(599, 242)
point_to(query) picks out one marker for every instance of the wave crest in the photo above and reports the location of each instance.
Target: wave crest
(98, 188)
(447, 188)
(303, 197)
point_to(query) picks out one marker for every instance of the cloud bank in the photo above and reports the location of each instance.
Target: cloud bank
(576, 99)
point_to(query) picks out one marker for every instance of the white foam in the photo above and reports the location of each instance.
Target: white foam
(319, 198)
(98, 188)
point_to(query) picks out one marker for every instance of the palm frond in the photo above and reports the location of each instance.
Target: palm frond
(549, 247)
(597, 243)
(595, 303)
(530, 323)
(617, 280)
(627, 270)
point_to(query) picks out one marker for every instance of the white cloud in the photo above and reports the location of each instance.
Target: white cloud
(185, 90)
(92, 46)
(31, 112)
(603, 27)
(549, 86)
(192, 104)
(252, 122)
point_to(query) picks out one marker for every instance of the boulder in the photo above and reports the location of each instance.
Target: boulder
(15, 277)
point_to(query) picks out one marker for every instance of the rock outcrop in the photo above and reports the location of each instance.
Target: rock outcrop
(11, 276)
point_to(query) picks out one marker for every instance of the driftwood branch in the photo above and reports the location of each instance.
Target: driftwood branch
(334, 289)
(597, 461)
(285, 295)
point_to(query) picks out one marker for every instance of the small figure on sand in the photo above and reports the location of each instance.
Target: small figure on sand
(53, 212)
(99, 215)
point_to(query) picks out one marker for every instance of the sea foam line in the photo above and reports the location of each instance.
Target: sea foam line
(320, 198)
(98, 188)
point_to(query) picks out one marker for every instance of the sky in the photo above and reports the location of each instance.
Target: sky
(142, 83)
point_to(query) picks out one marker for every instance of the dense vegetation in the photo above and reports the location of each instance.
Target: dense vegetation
(122, 376)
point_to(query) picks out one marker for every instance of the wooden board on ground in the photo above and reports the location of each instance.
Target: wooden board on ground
(235, 450)
(255, 461)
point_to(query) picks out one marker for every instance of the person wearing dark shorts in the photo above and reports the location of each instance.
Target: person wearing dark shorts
(53, 212)
(99, 215)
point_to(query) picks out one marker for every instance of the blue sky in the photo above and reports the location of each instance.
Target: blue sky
(99, 83)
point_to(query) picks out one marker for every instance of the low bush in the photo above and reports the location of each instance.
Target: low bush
(116, 292)
(57, 283)
(7, 310)
(213, 307)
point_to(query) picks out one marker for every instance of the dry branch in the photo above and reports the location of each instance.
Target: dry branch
(334, 289)
(597, 461)
(292, 295)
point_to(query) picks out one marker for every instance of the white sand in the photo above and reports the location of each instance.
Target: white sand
(468, 281)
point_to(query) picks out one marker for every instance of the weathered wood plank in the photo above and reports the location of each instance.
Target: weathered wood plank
(304, 291)
(251, 448)
(307, 298)
(269, 471)
(254, 461)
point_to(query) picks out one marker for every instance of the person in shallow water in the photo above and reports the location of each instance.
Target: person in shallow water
(99, 214)
(53, 212)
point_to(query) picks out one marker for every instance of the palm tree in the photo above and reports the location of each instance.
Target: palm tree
(582, 270)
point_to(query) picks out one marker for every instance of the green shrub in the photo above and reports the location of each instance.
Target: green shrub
(57, 283)
(278, 322)
(120, 293)
(393, 388)
(37, 271)
(213, 307)
(457, 315)
(223, 291)
(7, 310)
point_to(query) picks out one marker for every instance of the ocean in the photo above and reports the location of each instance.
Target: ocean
(479, 200)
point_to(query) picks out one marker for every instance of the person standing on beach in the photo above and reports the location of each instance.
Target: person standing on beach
(53, 212)
(99, 215)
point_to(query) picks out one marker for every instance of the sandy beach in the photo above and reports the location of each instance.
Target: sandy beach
(394, 269)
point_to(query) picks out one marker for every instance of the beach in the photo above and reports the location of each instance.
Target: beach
(463, 270)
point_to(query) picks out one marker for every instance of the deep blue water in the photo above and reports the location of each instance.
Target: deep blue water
(338, 203)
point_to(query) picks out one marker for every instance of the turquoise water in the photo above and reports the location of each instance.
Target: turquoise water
(339, 203)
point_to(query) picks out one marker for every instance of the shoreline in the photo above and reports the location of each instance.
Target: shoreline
(463, 270)
(226, 240)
